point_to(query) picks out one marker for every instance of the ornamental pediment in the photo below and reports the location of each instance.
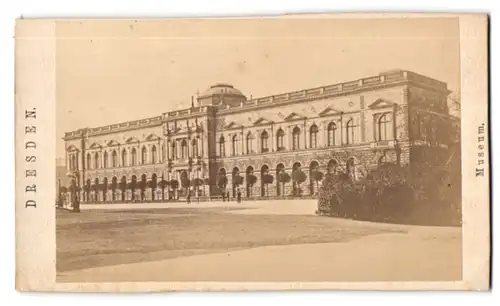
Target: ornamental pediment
(152, 137)
(381, 103)
(95, 145)
(131, 140)
(294, 116)
(72, 148)
(112, 143)
(233, 125)
(329, 112)
(262, 121)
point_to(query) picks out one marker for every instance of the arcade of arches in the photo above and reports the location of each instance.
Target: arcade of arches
(147, 188)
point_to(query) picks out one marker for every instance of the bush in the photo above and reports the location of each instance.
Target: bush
(391, 194)
(174, 184)
(251, 179)
(237, 180)
(222, 182)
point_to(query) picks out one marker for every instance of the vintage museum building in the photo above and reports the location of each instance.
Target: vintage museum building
(396, 116)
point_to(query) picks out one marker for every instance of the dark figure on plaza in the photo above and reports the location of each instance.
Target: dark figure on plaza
(188, 197)
(239, 196)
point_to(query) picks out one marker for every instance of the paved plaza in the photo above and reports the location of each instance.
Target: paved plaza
(249, 241)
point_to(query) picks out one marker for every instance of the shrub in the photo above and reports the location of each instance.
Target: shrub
(185, 183)
(174, 184)
(298, 177)
(237, 180)
(390, 194)
(251, 179)
(197, 182)
(267, 179)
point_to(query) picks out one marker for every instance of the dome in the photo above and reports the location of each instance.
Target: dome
(220, 88)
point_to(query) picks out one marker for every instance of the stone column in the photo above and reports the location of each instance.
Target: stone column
(256, 189)
(306, 137)
(362, 122)
(259, 141)
(272, 138)
(289, 136)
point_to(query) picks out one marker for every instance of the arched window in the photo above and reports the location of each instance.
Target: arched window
(222, 146)
(249, 143)
(105, 160)
(96, 160)
(313, 136)
(296, 138)
(264, 142)
(184, 149)
(194, 145)
(134, 157)
(383, 128)
(144, 154)
(332, 130)
(89, 161)
(280, 140)
(153, 155)
(114, 159)
(350, 132)
(234, 144)
(124, 158)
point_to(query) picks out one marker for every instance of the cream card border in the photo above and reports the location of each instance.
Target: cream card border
(35, 227)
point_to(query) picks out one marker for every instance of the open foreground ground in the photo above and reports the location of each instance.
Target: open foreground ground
(253, 241)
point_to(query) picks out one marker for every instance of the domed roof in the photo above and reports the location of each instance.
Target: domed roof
(220, 88)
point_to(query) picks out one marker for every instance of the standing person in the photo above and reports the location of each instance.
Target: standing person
(239, 196)
(224, 196)
(188, 197)
(227, 196)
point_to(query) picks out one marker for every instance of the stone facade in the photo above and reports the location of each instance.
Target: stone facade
(353, 125)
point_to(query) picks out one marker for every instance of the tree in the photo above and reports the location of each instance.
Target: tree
(185, 183)
(113, 186)
(174, 184)
(142, 186)
(222, 183)
(104, 188)
(86, 190)
(284, 178)
(267, 179)
(196, 183)
(74, 197)
(95, 187)
(298, 177)
(251, 180)
(132, 186)
(153, 185)
(163, 184)
(317, 176)
(122, 185)
(237, 180)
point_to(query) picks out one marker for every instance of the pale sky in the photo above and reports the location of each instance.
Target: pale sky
(115, 71)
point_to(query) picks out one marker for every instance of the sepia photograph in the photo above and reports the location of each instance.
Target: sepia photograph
(300, 149)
